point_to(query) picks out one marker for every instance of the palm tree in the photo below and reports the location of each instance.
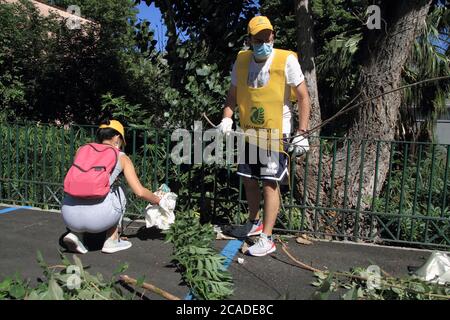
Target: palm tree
(430, 58)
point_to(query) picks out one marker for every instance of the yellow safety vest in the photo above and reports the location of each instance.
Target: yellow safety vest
(262, 108)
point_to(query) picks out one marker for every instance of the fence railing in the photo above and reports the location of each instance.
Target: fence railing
(411, 209)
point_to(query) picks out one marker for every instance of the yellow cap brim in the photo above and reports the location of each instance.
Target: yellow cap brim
(260, 28)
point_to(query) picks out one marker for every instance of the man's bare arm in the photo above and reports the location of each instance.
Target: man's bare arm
(230, 103)
(304, 106)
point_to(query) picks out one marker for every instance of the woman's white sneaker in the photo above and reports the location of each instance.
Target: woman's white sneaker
(74, 244)
(111, 246)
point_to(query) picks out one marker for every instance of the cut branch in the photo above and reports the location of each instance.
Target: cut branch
(150, 287)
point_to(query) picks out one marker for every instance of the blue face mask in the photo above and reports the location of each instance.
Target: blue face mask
(262, 51)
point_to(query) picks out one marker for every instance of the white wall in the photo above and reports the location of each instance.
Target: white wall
(443, 131)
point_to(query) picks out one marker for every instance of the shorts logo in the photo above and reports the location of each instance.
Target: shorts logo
(272, 168)
(257, 115)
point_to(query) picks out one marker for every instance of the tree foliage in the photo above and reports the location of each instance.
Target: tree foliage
(430, 58)
(200, 50)
(216, 26)
(340, 27)
(50, 72)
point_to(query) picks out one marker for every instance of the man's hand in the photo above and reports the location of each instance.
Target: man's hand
(225, 125)
(299, 145)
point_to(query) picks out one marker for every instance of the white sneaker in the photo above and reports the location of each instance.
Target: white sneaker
(74, 244)
(262, 247)
(111, 246)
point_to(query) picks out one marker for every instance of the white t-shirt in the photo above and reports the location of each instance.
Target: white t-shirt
(258, 76)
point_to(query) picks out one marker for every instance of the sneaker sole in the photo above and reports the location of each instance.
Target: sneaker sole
(72, 245)
(273, 249)
(114, 250)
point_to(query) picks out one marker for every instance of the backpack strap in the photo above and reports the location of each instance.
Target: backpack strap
(116, 153)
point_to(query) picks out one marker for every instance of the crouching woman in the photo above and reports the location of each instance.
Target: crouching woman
(82, 209)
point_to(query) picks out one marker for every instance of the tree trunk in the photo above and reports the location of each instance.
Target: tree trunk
(306, 54)
(305, 45)
(383, 55)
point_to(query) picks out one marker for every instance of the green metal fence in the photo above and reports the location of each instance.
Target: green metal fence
(412, 208)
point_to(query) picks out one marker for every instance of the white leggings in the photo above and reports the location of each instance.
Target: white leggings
(93, 215)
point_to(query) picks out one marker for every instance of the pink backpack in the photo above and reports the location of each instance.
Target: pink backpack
(88, 177)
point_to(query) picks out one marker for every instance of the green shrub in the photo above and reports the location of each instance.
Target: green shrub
(201, 267)
(418, 187)
(358, 284)
(71, 282)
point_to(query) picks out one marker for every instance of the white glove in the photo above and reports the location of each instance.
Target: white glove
(225, 125)
(299, 145)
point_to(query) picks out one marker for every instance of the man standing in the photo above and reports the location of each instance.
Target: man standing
(262, 81)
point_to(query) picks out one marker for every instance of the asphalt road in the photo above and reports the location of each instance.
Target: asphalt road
(25, 231)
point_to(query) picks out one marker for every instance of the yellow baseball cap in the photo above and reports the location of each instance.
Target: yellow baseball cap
(259, 23)
(116, 125)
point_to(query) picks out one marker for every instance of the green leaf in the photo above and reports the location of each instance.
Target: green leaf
(107, 293)
(54, 290)
(397, 291)
(326, 288)
(204, 71)
(86, 294)
(17, 291)
(350, 294)
(41, 261)
(65, 261)
(140, 281)
(5, 284)
(419, 287)
(320, 295)
(34, 295)
(122, 268)
(320, 275)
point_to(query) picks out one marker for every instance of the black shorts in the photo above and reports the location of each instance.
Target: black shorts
(263, 164)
